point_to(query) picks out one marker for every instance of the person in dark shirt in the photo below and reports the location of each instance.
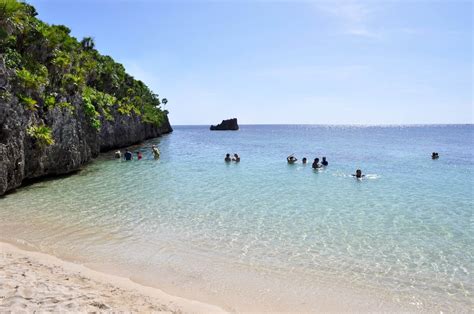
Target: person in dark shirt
(324, 162)
(227, 158)
(316, 164)
(128, 155)
(304, 160)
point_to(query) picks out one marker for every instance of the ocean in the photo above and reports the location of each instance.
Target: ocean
(265, 235)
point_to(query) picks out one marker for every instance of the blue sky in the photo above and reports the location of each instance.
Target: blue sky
(321, 62)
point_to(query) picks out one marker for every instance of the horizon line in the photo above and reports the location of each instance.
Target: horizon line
(342, 124)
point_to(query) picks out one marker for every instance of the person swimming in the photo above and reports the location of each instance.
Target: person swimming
(118, 154)
(324, 162)
(236, 158)
(291, 159)
(358, 174)
(155, 151)
(304, 160)
(434, 155)
(227, 158)
(139, 155)
(128, 155)
(316, 164)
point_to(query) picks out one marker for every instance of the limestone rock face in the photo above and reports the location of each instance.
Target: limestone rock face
(76, 142)
(226, 125)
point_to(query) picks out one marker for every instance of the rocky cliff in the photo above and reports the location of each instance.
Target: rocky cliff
(76, 142)
(62, 102)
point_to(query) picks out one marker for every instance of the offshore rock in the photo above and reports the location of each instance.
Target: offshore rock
(76, 142)
(226, 125)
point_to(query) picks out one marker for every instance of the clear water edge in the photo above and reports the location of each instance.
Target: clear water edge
(265, 235)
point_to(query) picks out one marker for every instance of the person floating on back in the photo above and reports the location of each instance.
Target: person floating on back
(304, 160)
(227, 158)
(324, 162)
(118, 154)
(128, 155)
(155, 151)
(316, 164)
(139, 155)
(358, 174)
(434, 155)
(291, 159)
(236, 158)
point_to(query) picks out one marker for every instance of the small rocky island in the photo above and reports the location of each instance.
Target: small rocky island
(226, 125)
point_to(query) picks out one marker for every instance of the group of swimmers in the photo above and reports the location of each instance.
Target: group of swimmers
(236, 158)
(128, 156)
(316, 165)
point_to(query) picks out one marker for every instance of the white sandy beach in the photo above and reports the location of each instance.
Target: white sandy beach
(32, 281)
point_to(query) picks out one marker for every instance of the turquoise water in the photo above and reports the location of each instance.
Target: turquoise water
(262, 234)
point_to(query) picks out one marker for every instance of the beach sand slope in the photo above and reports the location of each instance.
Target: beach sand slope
(31, 281)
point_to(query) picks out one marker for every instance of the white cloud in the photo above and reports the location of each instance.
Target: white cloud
(354, 12)
(353, 17)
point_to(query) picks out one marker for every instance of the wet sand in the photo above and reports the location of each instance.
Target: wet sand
(32, 281)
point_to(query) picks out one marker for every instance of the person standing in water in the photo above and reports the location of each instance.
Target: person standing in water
(139, 155)
(236, 158)
(227, 158)
(155, 151)
(316, 164)
(118, 154)
(358, 174)
(128, 155)
(304, 160)
(324, 162)
(291, 159)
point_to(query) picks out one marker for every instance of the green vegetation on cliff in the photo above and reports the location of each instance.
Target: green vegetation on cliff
(41, 134)
(53, 69)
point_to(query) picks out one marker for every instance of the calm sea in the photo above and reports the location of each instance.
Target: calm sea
(265, 235)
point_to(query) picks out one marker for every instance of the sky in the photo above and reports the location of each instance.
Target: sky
(288, 62)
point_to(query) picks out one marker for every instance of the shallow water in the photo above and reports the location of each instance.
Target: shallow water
(262, 234)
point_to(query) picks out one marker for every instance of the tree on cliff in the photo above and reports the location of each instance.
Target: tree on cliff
(51, 68)
(87, 43)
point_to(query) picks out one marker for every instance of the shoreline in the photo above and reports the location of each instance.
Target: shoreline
(39, 281)
(31, 280)
(35, 281)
